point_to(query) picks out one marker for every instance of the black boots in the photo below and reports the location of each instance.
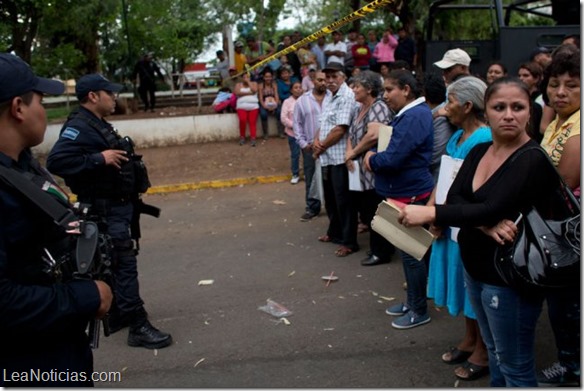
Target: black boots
(142, 333)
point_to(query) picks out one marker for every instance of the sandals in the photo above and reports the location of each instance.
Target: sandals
(474, 372)
(343, 251)
(455, 356)
(325, 239)
(361, 228)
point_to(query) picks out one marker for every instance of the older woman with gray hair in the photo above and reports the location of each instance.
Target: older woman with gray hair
(367, 88)
(465, 110)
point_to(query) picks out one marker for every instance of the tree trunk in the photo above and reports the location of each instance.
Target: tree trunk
(24, 24)
(355, 5)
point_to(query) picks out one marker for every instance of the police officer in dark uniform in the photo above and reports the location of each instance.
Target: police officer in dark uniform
(43, 316)
(146, 70)
(100, 167)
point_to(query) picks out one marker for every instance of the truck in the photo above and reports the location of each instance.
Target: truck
(508, 43)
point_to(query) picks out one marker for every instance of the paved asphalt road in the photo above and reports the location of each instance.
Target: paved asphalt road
(250, 242)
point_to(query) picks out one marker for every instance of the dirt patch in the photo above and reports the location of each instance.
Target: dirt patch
(209, 161)
(216, 161)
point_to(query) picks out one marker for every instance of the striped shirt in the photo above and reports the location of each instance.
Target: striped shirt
(378, 112)
(307, 118)
(337, 110)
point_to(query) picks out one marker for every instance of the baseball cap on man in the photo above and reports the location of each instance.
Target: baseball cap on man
(238, 44)
(453, 57)
(333, 66)
(94, 82)
(17, 78)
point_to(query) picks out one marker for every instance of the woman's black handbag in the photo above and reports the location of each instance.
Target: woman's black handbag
(546, 252)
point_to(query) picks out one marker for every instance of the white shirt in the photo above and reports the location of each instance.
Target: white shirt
(341, 46)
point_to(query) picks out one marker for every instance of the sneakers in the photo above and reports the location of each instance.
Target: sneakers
(307, 216)
(557, 375)
(295, 179)
(253, 143)
(241, 141)
(410, 320)
(397, 310)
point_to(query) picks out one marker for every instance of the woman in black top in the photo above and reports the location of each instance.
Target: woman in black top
(494, 185)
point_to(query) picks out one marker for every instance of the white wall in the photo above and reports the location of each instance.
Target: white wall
(161, 132)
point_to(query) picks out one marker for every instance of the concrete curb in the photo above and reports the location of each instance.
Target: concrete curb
(163, 189)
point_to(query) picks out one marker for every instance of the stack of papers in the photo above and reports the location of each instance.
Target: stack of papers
(413, 240)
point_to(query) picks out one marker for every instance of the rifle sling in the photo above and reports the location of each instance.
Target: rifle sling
(58, 212)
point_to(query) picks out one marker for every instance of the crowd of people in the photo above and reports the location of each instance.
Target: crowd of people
(485, 124)
(275, 80)
(351, 90)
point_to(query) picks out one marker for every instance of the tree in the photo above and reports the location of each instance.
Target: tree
(20, 19)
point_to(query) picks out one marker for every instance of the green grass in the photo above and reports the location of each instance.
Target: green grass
(57, 113)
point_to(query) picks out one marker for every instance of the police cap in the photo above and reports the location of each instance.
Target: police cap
(94, 82)
(17, 78)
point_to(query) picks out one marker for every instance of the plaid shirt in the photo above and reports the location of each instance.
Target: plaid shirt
(337, 110)
(378, 112)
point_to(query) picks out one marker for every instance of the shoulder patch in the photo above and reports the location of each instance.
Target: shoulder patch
(70, 133)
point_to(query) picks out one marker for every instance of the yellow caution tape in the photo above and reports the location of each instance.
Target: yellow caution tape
(361, 12)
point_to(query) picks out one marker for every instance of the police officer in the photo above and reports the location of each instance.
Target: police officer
(99, 166)
(146, 70)
(42, 317)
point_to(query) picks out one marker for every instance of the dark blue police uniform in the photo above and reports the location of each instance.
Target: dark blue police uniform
(77, 158)
(42, 320)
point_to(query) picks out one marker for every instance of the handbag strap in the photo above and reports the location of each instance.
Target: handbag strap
(575, 204)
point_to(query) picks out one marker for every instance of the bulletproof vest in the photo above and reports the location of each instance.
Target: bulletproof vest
(107, 182)
(48, 258)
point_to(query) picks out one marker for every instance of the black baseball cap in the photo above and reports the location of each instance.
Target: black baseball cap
(17, 78)
(94, 82)
(333, 66)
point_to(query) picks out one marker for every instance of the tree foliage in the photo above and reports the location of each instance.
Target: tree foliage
(20, 20)
(73, 37)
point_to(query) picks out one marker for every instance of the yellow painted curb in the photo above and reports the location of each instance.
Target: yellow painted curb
(216, 184)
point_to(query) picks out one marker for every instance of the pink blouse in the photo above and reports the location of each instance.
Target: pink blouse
(287, 115)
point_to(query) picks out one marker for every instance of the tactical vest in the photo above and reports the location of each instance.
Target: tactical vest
(49, 258)
(107, 182)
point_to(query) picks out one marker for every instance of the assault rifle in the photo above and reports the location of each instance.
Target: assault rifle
(93, 257)
(93, 250)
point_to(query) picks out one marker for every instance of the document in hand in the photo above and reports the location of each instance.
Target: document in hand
(449, 167)
(383, 138)
(413, 240)
(355, 178)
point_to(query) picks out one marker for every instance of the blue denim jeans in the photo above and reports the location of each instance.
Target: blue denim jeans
(416, 273)
(264, 118)
(416, 279)
(294, 156)
(564, 315)
(507, 322)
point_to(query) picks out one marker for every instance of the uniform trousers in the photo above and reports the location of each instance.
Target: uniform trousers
(127, 292)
